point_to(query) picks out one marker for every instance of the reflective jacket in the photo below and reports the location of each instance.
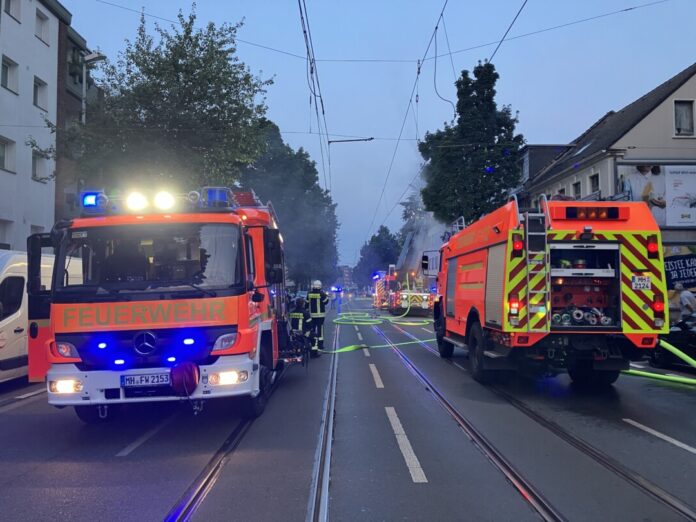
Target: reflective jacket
(317, 303)
(300, 320)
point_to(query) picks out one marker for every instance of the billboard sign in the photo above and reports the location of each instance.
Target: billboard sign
(669, 191)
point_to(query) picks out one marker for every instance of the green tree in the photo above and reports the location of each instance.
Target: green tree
(381, 250)
(179, 110)
(306, 212)
(471, 165)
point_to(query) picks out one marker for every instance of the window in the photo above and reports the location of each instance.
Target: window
(7, 154)
(38, 167)
(594, 183)
(41, 30)
(684, 118)
(561, 192)
(12, 8)
(40, 93)
(577, 190)
(251, 262)
(11, 294)
(9, 75)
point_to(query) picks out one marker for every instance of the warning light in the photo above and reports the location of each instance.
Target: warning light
(136, 201)
(514, 303)
(653, 248)
(89, 199)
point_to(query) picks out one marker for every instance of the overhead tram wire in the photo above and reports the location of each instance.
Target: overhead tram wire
(454, 108)
(507, 31)
(449, 49)
(315, 90)
(403, 122)
(404, 60)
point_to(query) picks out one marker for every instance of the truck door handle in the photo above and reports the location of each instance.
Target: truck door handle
(18, 330)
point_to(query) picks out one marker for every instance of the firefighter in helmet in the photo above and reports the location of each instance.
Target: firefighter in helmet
(317, 311)
(300, 320)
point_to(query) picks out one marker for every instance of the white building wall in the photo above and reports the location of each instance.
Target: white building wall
(654, 137)
(25, 202)
(604, 167)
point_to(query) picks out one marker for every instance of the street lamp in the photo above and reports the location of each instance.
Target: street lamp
(87, 59)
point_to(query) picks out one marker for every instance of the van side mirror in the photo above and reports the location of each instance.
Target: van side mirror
(425, 262)
(273, 256)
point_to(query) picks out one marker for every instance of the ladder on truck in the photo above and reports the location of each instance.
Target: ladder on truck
(536, 225)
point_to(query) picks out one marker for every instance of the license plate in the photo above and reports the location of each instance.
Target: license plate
(641, 283)
(145, 379)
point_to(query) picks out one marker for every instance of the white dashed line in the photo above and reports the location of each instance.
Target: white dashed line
(144, 437)
(459, 366)
(360, 337)
(414, 467)
(18, 404)
(426, 330)
(31, 394)
(376, 377)
(662, 436)
(366, 352)
(356, 327)
(638, 365)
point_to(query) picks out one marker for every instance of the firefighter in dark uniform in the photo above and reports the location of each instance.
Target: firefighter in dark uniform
(317, 310)
(300, 320)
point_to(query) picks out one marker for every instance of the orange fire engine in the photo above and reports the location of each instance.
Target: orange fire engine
(178, 297)
(577, 286)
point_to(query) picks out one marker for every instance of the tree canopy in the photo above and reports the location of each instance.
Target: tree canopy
(381, 250)
(471, 165)
(180, 109)
(306, 212)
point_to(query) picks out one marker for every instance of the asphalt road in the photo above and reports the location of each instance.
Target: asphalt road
(394, 452)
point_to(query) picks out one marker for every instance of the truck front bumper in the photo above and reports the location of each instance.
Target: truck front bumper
(105, 386)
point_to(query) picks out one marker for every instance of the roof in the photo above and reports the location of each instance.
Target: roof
(613, 125)
(58, 10)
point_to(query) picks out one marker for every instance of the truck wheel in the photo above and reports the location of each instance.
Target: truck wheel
(476, 356)
(252, 407)
(581, 373)
(90, 414)
(444, 348)
(606, 378)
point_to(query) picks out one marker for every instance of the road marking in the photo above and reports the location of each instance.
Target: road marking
(638, 365)
(459, 366)
(356, 327)
(145, 437)
(425, 329)
(366, 352)
(662, 436)
(414, 467)
(31, 394)
(18, 404)
(376, 377)
(360, 337)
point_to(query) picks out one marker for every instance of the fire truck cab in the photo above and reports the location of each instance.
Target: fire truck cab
(179, 297)
(576, 286)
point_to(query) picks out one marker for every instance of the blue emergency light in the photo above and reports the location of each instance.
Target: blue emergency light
(375, 276)
(89, 199)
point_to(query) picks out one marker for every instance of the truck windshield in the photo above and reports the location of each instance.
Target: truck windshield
(151, 258)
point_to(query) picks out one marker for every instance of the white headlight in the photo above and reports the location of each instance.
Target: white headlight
(65, 386)
(164, 200)
(136, 201)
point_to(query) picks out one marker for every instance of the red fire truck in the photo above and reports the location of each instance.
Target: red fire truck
(577, 286)
(179, 297)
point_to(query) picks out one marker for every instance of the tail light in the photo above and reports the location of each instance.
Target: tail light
(653, 248)
(658, 304)
(517, 246)
(514, 304)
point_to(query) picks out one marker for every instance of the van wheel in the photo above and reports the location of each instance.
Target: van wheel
(476, 356)
(253, 407)
(90, 414)
(581, 373)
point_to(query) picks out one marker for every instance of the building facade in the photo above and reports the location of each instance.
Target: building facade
(643, 152)
(28, 98)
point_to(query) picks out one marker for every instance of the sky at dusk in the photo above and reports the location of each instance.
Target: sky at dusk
(560, 81)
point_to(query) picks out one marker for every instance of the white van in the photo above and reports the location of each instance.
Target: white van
(13, 310)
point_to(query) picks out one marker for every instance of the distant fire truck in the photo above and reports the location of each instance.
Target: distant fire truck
(178, 297)
(576, 285)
